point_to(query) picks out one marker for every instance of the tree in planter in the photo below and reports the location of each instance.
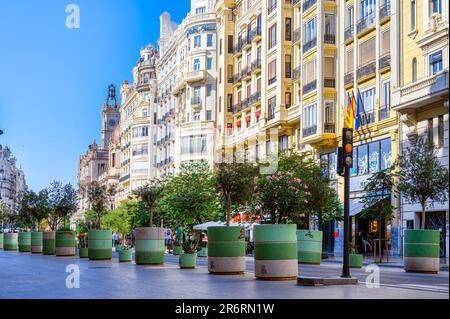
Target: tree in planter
(99, 197)
(7, 216)
(421, 176)
(235, 182)
(60, 201)
(149, 194)
(377, 201)
(119, 220)
(32, 208)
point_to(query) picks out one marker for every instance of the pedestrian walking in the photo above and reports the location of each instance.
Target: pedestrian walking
(168, 238)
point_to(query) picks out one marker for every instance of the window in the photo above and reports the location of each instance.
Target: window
(363, 163)
(329, 24)
(329, 164)
(140, 131)
(385, 41)
(230, 102)
(329, 114)
(441, 131)
(288, 99)
(197, 92)
(284, 143)
(309, 71)
(430, 131)
(367, 51)
(310, 30)
(329, 68)
(272, 72)
(271, 107)
(435, 62)
(272, 36)
(220, 46)
(288, 34)
(367, 7)
(412, 17)
(257, 152)
(200, 10)
(414, 69)
(435, 6)
(287, 66)
(230, 44)
(386, 154)
(368, 99)
(196, 64)
(197, 41)
(349, 61)
(220, 75)
(268, 147)
(208, 89)
(209, 63)
(209, 40)
(350, 16)
(194, 144)
(385, 100)
(208, 115)
(271, 5)
(309, 116)
(196, 116)
(372, 157)
(140, 149)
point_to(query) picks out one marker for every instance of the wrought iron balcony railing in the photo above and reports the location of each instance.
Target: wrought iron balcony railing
(349, 33)
(329, 83)
(309, 45)
(272, 80)
(366, 118)
(256, 65)
(296, 73)
(329, 38)
(366, 70)
(329, 127)
(296, 35)
(384, 112)
(385, 10)
(384, 61)
(308, 131)
(366, 22)
(272, 7)
(308, 4)
(309, 87)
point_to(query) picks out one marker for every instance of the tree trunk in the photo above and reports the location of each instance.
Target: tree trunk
(228, 209)
(150, 212)
(423, 214)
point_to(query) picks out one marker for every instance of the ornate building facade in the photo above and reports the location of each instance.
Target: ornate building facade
(12, 179)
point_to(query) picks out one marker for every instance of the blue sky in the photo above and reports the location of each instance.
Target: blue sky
(53, 80)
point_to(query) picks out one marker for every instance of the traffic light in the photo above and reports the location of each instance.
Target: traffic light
(347, 147)
(340, 162)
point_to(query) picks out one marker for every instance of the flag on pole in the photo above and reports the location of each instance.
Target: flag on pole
(350, 112)
(360, 111)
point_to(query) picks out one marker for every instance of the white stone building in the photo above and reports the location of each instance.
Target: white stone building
(12, 179)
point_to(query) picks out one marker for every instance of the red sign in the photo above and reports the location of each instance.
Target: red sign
(238, 123)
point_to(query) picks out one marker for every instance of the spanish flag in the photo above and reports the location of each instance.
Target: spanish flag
(350, 112)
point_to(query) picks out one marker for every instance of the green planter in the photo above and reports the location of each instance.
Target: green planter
(276, 252)
(84, 252)
(421, 250)
(309, 246)
(226, 250)
(125, 255)
(1, 240)
(25, 242)
(65, 243)
(150, 246)
(100, 244)
(355, 260)
(37, 241)
(118, 247)
(177, 250)
(49, 243)
(203, 252)
(188, 261)
(10, 241)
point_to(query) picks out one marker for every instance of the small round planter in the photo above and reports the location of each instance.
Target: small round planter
(125, 255)
(37, 241)
(203, 252)
(150, 246)
(84, 252)
(226, 250)
(421, 251)
(1, 240)
(65, 243)
(10, 241)
(276, 252)
(100, 244)
(188, 261)
(309, 246)
(49, 243)
(355, 260)
(25, 242)
(177, 250)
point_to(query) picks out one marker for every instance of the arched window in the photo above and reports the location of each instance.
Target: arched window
(412, 22)
(414, 69)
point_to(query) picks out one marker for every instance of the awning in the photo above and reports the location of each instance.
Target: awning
(248, 118)
(238, 123)
(205, 226)
(355, 206)
(258, 113)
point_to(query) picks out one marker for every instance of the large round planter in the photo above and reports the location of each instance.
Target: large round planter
(276, 252)
(177, 250)
(37, 242)
(421, 250)
(203, 252)
(65, 243)
(125, 255)
(100, 244)
(48, 244)
(1, 240)
(150, 246)
(355, 260)
(10, 241)
(309, 246)
(226, 250)
(25, 242)
(188, 261)
(84, 252)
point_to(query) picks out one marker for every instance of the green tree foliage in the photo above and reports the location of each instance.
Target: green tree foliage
(149, 195)
(235, 183)
(7, 216)
(189, 197)
(422, 178)
(32, 209)
(99, 198)
(60, 201)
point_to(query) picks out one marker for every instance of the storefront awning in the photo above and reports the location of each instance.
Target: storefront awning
(355, 206)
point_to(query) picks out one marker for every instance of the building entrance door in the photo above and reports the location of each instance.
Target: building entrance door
(436, 220)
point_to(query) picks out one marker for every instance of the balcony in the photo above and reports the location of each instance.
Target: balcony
(308, 4)
(309, 87)
(366, 71)
(271, 113)
(230, 79)
(272, 80)
(385, 11)
(384, 63)
(309, 45)
(366, 23)
(196, 103)
(237, 78)
(295, 3)
(329, 83)
(237, 107)
(255, 98)
(422, 92)
(245, 103)
(366, 118)
(348, 79)
(246, 72)
(329, 128)
(297, 34)
(296, 73)
(288, 71)
(237, 50)
(308, 131)
(247, 41)
(329, 38)
(256, 65)
(256, 34)
(272, 8)
(384, 112)
(349, 33)
(196, 76)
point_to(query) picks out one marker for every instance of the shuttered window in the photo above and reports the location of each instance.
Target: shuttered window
(385, 42)
(349, 65)
(367, 51)
(329, 68)
(309, 71)
(272, 71)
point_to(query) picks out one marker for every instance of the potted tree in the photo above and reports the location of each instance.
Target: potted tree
(235, 183)
(99, 240)
(119, 220)
(203, 249)
(422, 179)
(281, 197)
(188, 259)
(355, 259)
(10, 238)
(82, 235)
